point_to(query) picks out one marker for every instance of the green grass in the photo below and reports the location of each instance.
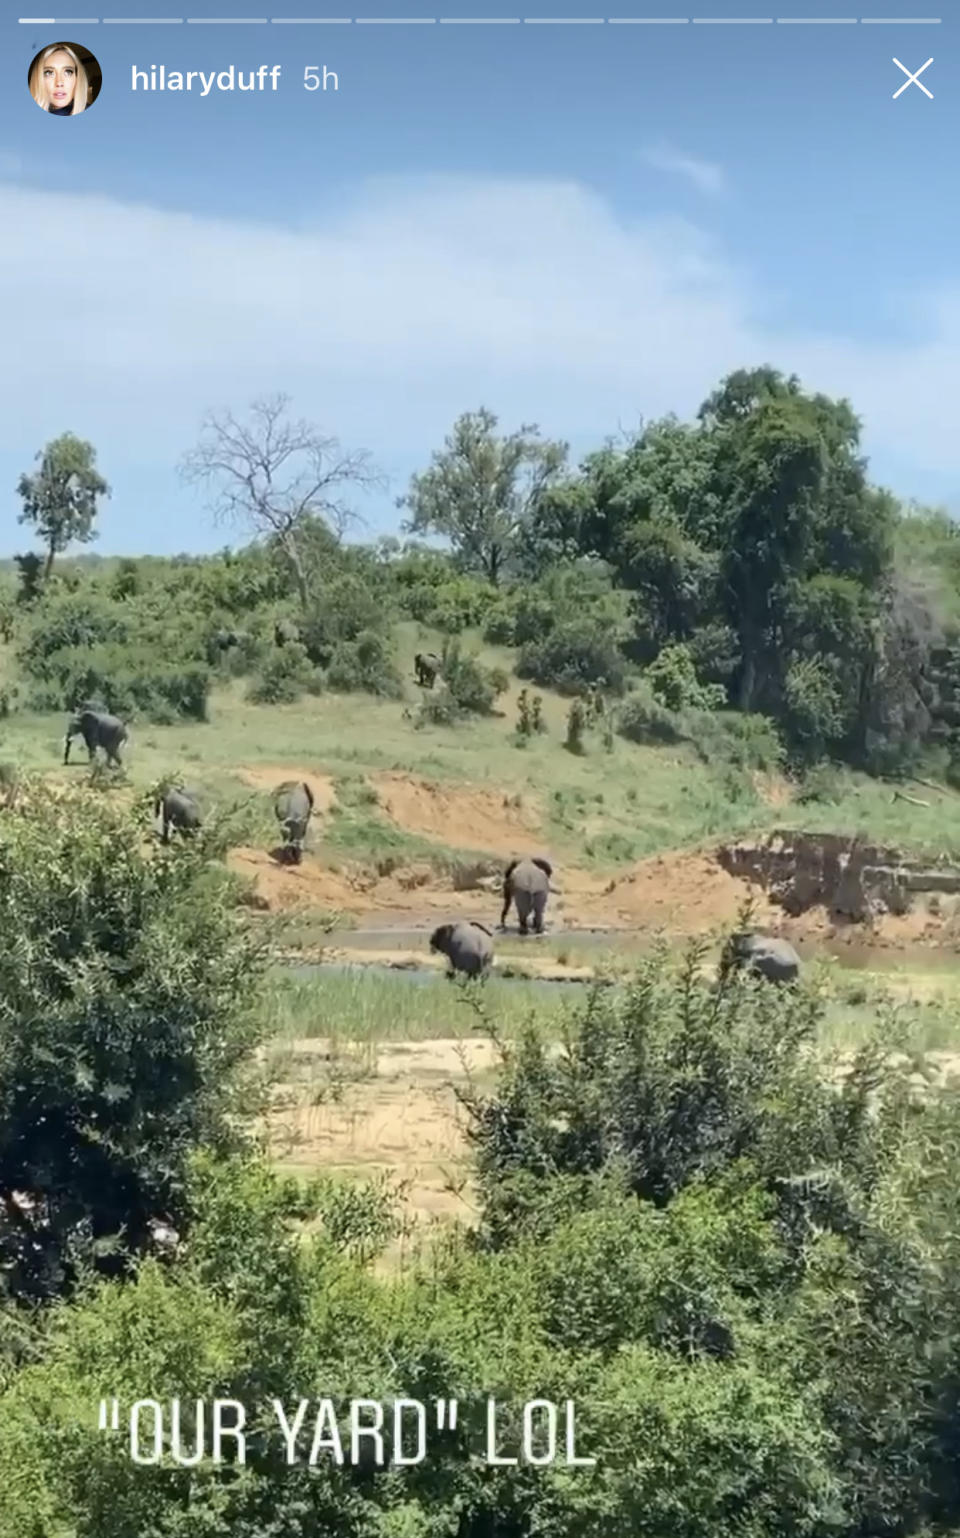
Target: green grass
(363, 1007)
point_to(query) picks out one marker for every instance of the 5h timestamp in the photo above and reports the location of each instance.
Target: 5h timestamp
(319, 78)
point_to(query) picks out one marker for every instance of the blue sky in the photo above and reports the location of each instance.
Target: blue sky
(577, 226)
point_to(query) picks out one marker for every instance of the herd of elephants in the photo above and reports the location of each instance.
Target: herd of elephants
(466, 943)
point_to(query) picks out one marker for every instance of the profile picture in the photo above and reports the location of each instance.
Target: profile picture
(65, 79)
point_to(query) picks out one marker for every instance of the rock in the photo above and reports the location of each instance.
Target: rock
(846, 876)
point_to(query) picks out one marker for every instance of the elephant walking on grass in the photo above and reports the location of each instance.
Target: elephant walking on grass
(98, 730)
(527, 884)
(467, 946)
(427, 667)
(180, 809)
(766, 955)
(293, 805)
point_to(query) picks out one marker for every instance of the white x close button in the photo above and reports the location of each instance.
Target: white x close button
(913, 79)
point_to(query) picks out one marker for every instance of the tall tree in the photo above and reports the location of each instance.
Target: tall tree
(60, 500)
(481, 491)
(273, 476)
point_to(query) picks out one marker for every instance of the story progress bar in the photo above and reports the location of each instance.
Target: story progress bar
(479, 21)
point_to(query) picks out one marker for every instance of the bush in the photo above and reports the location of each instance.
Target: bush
(69, 623)
(130, 682)
(284, 676)
(472, 687)
(643, 719)
(365, 665)
(715, 652)
(814, 715)
(125, 994)
(821, 784)
(576, 728)
(459, 604)
(673, 679)
(345, 608)
(575, 654)
(738, 739)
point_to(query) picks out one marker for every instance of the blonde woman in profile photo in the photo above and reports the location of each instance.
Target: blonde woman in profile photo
(58, 81)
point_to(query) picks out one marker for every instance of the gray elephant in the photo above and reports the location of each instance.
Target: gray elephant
(293, 804)
(181, 810)
(468, 947)
(98, 730)
(527, 884)
(766, 955)
(427, 667)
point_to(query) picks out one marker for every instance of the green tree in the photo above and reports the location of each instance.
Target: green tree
(60, 500)
(481, 491)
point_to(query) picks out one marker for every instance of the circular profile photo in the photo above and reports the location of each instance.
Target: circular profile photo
(65, 79)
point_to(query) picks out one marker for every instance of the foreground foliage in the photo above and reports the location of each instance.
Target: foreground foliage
(125, 1015)
(740, 1272)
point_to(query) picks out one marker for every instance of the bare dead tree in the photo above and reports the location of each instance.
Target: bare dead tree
(270, 473)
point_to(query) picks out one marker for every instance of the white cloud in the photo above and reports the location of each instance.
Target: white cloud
(423, 299)
(705, 175)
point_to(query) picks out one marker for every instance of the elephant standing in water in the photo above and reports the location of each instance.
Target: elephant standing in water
(98, 730)
(181, 810)
(467, 946)
(527, 884)
(293, 804)
(427, 667)
(766, 955)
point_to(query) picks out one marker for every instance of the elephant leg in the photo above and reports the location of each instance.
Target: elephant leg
(539, 904)
(522, 900)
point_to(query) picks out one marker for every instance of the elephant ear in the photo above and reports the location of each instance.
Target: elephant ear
(510, 869)
(486, 931)
(544, 865)
(309, 794)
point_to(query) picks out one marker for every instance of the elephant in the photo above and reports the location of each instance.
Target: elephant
(98, 730)
(526, 883)
(427, 666)
(181, 810)
(468, 947)
(293, 804)
(766, 955)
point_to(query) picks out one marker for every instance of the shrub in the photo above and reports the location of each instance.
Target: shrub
(738, 738)
(673, 679)
(344, 608)
(822, 784)
(715, 652)
(364, 665)
(575, 654)
(576, 727)
(643, 719)
(283, 677)
(125, 993)
(69, 623)
(473, 688)
(459, 604)
(814, 714)
(130, 681)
